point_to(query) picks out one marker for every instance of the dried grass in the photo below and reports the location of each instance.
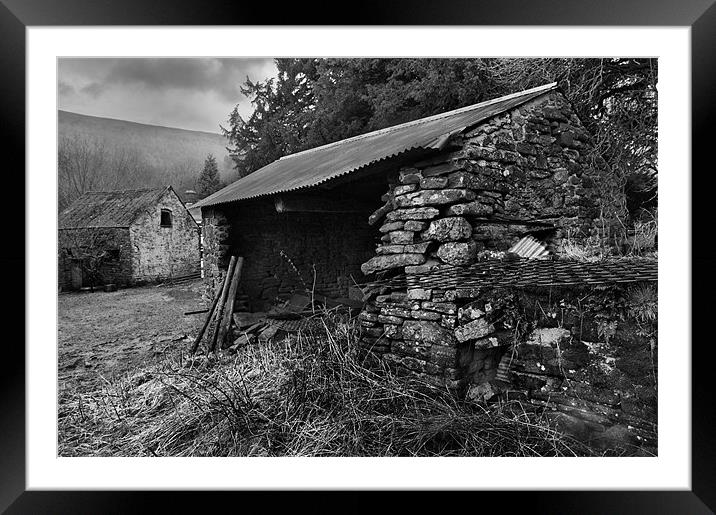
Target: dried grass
(309, 395)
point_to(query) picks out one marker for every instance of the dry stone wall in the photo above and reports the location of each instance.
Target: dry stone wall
(531, 169)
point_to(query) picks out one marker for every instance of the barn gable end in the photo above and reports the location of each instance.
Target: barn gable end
(161, 250)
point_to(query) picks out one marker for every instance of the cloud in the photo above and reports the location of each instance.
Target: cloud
(168, 91)
(93, 89)
(65, 89)
(221, 75)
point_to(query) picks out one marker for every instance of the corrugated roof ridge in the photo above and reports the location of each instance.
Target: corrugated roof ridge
(536, 91)
(385, 130)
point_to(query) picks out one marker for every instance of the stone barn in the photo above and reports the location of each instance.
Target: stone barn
(126, 238)
(420, 215)
(438, 189)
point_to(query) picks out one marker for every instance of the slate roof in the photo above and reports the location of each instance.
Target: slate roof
(108, 208)
(318, 165)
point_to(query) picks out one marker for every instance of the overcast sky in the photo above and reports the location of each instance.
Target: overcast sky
(195, 94)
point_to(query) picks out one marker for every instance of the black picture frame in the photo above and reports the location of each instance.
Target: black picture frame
(16, 15)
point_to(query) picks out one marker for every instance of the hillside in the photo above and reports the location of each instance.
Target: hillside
(171, 155)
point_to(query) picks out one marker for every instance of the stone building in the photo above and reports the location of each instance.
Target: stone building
(438, 189)
(125, 238)
(402, 207)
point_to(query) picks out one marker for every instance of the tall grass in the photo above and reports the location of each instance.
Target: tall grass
(309, 395)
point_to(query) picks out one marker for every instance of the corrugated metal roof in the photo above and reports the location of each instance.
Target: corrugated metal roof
(318, 165)
(108, 208)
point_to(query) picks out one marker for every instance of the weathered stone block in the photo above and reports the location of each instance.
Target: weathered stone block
(420, 213)
(549, 336)
(448, 229)
(414, 225)
(387, 262)
(406, 188)
(425, 315)
(392, 331)
(390, 249)
(409, 176)
(428, 332)
(474, 330)
(368, 317)
(458, 253)
(447, 308)
(476, 208)
(392, 226)
(386, 319)
(419, 294)
(486, 343)
(416, 248)
(428, 267)
(434, 197)
(396, 311)
(470, 312)
(401, 236)
(433, 183)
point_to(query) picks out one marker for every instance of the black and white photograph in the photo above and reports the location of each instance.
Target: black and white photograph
(357, 257)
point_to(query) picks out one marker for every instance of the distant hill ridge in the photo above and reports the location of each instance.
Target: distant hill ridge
(177, 153)
(84, 119)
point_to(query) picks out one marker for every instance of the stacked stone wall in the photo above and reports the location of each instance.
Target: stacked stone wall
(529, 170)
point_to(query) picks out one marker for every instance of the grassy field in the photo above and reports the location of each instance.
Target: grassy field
(129, 388)
(101, 335)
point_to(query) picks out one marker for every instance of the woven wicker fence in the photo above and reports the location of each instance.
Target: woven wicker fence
(527, 273)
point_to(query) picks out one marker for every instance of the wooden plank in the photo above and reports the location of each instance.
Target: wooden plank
(313, 204)
(198, 311)
(225, 322)
(195, 345)
(220, 307)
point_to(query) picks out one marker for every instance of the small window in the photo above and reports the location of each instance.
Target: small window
(166, 218)
(113, 254)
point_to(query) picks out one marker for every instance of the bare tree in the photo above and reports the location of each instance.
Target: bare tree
(80, 164)
(91, 164)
